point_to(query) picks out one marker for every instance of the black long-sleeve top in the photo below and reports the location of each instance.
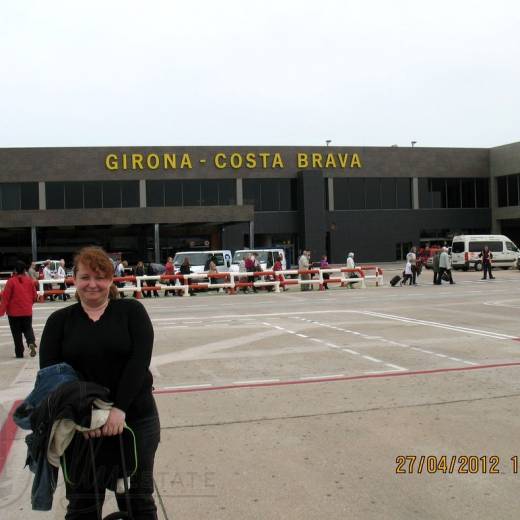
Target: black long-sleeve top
(114, 351)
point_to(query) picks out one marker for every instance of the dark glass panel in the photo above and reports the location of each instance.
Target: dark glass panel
(29, 195)
(425, 197)
(373, 193)
(209, 192)
(341, 195)
(388, 194)
(54, 195)
(270, 195)
(191, 193)
(453, 192)
(130, 194)
(112, 194)
(287, 202)
(468, 193)
(404, 193)
(252, 192)
(93, 194)
(438, 192)
(155, 194)
(482, 188)
(173, 193)
(357, 193)
(512, 190)
(73, 195)
(10, 196)
(227, 192)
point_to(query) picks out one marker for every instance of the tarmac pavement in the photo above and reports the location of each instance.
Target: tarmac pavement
(300, 405)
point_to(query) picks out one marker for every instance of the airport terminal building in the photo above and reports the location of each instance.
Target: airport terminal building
(149, 202)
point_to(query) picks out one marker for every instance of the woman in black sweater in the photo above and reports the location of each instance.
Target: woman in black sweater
(109, 341)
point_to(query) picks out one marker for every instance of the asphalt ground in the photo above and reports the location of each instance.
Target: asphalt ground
(300, 405)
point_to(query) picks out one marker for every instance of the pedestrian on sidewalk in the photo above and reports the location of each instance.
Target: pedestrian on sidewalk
(17, 301)
(487, 257)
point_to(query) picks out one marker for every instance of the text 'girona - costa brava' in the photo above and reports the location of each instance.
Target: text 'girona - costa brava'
(233, 161)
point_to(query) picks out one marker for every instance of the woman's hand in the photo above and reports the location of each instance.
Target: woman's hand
(114, 424)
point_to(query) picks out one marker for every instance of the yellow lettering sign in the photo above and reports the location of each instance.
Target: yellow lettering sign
(186, 161)
(111, 162)
(355, 162)
(302, 160)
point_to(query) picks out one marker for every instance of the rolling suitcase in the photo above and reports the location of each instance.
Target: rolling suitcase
(395, 280)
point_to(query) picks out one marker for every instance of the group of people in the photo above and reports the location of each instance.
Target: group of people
(442, 268)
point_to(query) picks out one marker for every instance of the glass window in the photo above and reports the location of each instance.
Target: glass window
(512, 190)
(288, 194)
(191, 193)
(511, 247)
(438, 191)
(482, 190)
(209, 193)
(357, 193)
(476, 247)
(453, 192)
(373, 193)
(92, 194)
(227, 190)
(341, 198)
(10, 196)
(252, 190)
(467, 189)
(502, 191)
(404, 193)
(29, 195)
(457, 247)
(73, 195)
(425, 197)
(173, 193)
(270, 195)
(130, 194)
(54, 195)
(155, 194)
(111, 194)
(388, 194)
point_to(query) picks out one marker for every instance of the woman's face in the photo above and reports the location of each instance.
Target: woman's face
(93, 287)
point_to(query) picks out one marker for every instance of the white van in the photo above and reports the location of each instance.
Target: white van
(199, 260)
(465, 250)
(266, 257)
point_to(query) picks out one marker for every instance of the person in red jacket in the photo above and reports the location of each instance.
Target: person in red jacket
(18, 297)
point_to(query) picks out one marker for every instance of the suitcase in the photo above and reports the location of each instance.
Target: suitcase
(445, 276)
(395, 280)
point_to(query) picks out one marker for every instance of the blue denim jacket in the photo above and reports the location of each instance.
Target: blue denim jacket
(45, 475)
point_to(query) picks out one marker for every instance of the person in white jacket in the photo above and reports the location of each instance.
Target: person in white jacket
(445, 266)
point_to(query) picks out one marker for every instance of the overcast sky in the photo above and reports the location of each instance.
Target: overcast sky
(251, 72)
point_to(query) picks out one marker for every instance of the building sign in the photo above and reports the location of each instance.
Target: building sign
(232, 161)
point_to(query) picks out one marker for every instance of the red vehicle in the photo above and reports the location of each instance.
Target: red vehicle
(426, 254)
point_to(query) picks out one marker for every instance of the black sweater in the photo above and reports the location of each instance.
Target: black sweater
(114, 351)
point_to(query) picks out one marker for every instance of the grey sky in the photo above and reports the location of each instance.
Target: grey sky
(270, 72)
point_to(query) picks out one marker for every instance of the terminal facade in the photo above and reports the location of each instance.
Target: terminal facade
(149, 202)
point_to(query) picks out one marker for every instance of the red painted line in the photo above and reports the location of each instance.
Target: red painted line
(330, 379)
(516, 339)
(7, 435)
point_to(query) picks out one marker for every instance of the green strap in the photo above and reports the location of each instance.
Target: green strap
(134, 443)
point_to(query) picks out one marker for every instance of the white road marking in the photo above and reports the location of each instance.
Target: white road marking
(328, 376)
(375, 360)
(255, 381)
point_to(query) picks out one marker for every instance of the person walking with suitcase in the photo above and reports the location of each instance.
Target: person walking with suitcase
(445, 267)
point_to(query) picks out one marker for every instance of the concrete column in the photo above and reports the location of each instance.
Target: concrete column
(42, 203)
(415, 193)
(330, 188)
(34, 244)
(251, 234)
(142, 193)
(240, 193)
(157, 245)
